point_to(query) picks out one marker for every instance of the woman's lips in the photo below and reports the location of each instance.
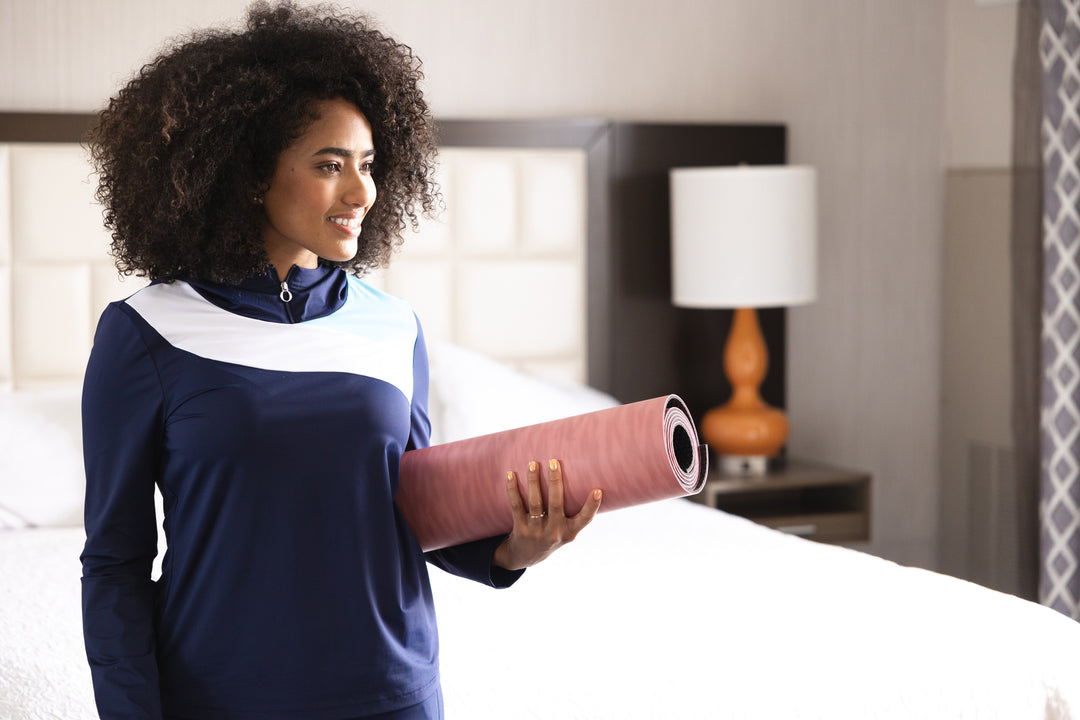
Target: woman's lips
(347, 225)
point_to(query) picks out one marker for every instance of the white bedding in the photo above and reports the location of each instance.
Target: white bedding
(677, 611)
(670, 610)
(666, 611)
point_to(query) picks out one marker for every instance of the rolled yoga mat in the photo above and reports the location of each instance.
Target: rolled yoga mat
(636, 453)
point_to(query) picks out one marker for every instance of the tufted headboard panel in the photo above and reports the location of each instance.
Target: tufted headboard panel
(55, 274)
(502, 271)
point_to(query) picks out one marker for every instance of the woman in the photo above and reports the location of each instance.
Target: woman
(268, 393)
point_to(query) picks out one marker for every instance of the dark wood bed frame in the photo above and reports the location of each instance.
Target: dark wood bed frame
(639, 345)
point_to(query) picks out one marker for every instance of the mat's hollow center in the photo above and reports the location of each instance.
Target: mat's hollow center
(684, 448)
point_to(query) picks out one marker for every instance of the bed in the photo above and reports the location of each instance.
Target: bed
(669, 610)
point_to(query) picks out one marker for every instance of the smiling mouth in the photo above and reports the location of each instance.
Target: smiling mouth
(350, 223)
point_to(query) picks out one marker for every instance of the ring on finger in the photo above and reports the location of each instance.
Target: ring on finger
(537, 517)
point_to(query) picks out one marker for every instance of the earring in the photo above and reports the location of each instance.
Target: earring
(257, 198)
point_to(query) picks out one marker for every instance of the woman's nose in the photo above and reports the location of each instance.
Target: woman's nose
(360, 192)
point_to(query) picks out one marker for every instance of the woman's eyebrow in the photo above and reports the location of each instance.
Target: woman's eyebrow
(342, 152)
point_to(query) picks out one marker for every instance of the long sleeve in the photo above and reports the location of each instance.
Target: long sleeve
(122, 431)
(470, 560)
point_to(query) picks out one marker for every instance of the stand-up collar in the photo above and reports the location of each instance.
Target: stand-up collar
(305, 294)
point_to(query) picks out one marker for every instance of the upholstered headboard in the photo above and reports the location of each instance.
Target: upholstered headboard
(55, 274)
(552, 254)
(511, 214)
(502, 271)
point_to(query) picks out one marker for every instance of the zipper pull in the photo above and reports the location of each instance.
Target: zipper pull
(285, 295)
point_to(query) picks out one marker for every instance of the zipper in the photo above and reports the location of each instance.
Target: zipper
(285, 295)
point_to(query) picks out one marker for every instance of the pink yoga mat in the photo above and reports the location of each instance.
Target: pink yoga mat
(635, 453)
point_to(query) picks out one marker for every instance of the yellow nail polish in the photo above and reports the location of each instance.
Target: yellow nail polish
(553, 464)
(533, 467)
(510, 476)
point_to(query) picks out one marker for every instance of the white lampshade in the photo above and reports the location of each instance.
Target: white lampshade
(743, 236)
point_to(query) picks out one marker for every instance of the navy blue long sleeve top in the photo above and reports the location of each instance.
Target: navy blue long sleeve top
(291, 585)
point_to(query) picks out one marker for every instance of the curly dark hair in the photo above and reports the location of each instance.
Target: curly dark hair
(184, 147)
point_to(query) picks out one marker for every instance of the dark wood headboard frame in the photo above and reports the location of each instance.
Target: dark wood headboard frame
(639, 345)
(44, 127)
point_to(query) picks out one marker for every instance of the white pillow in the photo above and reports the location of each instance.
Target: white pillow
(472, 394)
(42, 481)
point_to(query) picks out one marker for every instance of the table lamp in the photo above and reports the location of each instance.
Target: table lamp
(744, 237)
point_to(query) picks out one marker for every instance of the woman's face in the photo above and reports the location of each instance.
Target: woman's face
(321, 190)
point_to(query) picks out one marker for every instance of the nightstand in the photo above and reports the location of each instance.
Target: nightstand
(803, 498)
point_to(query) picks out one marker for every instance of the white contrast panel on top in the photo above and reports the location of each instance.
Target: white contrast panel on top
(372, 334)
(53, 211)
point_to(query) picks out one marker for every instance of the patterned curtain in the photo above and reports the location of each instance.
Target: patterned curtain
(1059, 508)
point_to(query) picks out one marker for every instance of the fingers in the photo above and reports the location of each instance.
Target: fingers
(517, 505)
(533, 508)
(555, 489)
(536, 533)
(536, 498)
(587, 513)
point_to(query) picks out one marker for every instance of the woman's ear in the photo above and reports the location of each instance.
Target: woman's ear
(260, 191)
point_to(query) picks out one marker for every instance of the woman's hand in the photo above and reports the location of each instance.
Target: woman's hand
(538, 532)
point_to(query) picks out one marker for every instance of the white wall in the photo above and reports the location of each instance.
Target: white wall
(980, 44)
(860, 84)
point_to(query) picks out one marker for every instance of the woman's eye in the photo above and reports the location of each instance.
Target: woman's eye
(331, 167)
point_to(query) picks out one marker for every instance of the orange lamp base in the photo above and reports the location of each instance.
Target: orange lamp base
(745, 431)
(745, 426)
